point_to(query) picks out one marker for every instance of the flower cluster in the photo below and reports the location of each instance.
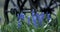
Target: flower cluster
(46, 8)
(37, 16)
(20, 17)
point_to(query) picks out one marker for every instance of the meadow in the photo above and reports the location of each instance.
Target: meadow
(13, 25)
(26, 26)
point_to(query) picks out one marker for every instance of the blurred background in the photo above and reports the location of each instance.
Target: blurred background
(1, 11)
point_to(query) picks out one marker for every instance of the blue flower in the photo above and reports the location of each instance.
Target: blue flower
(22, 16)
(18, 16)
(28, 20)
(41, 18)
(34, 21)
(37, 15)
(19, 23)
(33, 13)
(48, 16)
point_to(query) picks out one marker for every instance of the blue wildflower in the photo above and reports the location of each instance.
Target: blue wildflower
(18, 16)
(34, 19)
(22, 16)
(48, 16)
(37, 15)
(41, 17)
(28, 20)
(33, 12)
(19, 23)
